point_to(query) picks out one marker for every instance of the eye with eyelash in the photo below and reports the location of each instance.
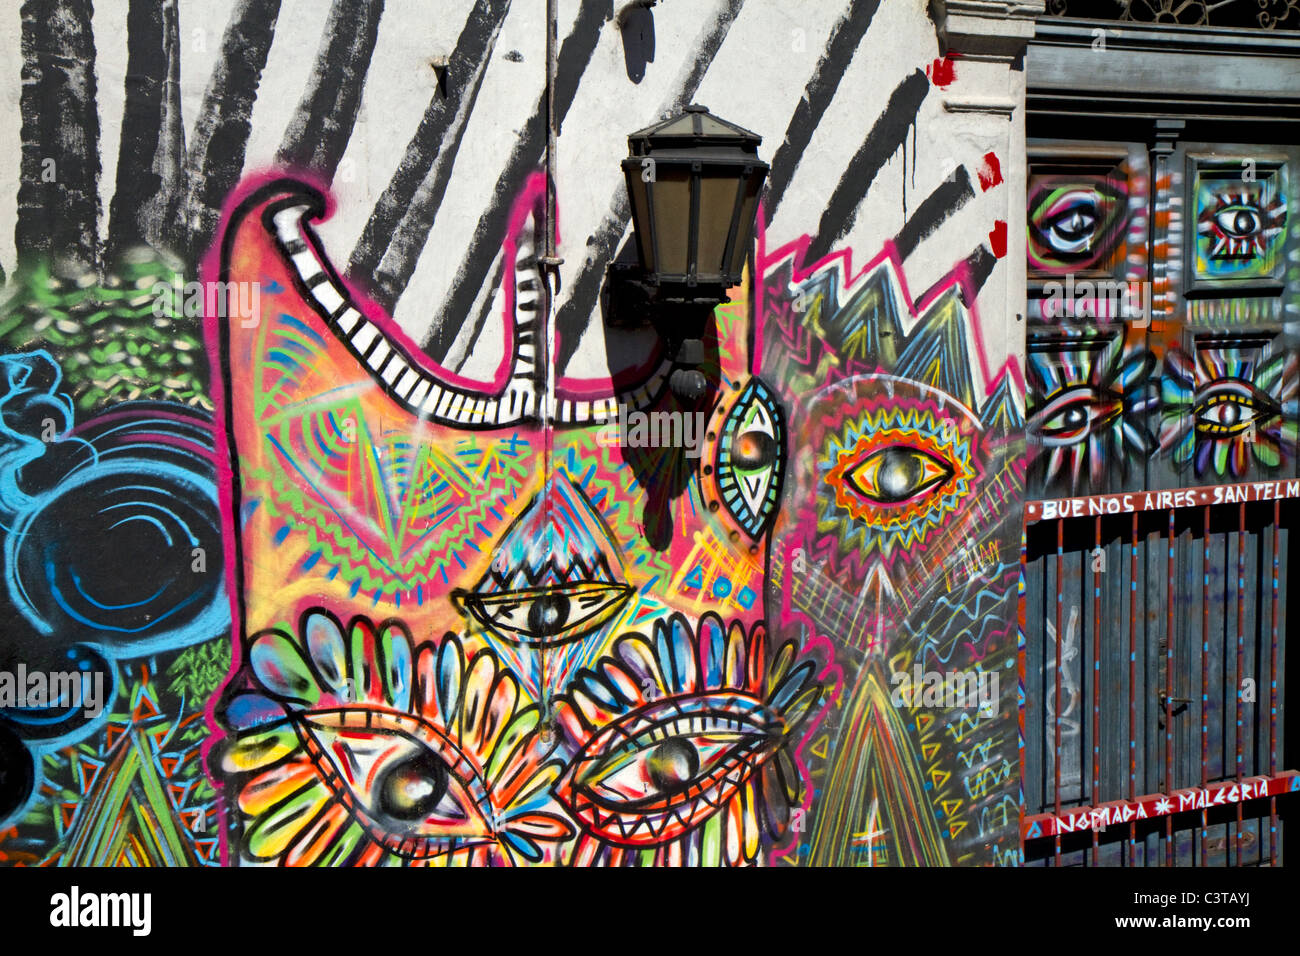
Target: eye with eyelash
(892, 473)
(1071, 414)
(356, 746)
(1238, 221)
(403, 780)
(750, 458)
(1230, 407)
(547, 616)
(670, 765)
(1237, 226)
(679, 729)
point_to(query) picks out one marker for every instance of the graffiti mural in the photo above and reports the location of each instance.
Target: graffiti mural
(343, 526)
(890, 548)
(408, 503)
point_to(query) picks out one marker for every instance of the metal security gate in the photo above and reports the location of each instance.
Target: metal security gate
(1163, 409)
(1154, 674)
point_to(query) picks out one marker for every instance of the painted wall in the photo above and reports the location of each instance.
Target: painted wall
(350, 594)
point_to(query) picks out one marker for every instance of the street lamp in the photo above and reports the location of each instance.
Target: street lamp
(693, 180)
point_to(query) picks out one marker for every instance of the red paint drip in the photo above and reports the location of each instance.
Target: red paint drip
(998, 238)
(990, 172)
(942, 72)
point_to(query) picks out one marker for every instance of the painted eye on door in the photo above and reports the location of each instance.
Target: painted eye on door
(750, 458)
(1238, 226)
(1238, 221)
(1230, 407)
(1071, 414)
(1073, 223)
(1071, 229)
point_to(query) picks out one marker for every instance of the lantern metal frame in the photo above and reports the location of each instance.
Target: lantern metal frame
(698, 144)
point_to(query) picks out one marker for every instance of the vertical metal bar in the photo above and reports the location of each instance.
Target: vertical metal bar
(1020, 671)
(1056, 707)
(550, 274)
(1272, 695)
(1096, 681)
(1241, 647)
(1205, 673)
(1132, 682)
(1169, 694)
(551, 122)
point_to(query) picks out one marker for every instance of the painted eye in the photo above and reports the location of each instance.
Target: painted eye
(901, 470)
(1239, 221)
(749, 463)
(1236, 228)
(547, 616)
(1230, 407)
(396, 774)
(659, 771)
(1070, 415)
(556, 576)
(1072, 221)
(1072, 229)
(898, 473)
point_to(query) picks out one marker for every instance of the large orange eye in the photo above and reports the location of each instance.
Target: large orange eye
(898, 473)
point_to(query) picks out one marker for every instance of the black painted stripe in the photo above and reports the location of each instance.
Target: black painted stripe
(138, 180)
(575, 53)
(220, 141)
(980, 264)
(817, 95)
(58, 216)
(887, 134)
(400, 223)
(318, 134)
(950, 196)
(481, 320)
(382, 366)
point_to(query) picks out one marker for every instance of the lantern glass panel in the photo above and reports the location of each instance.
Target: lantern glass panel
(717, 203)
(672, 218)
(745, 230)
(641, 214)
